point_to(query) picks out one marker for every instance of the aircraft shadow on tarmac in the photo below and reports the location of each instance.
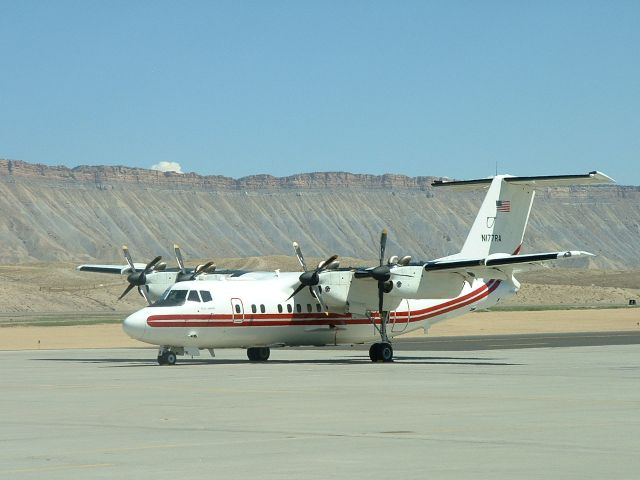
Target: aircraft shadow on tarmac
(413, 360)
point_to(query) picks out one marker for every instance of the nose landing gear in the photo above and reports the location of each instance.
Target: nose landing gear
(166, 356)
(382, 351)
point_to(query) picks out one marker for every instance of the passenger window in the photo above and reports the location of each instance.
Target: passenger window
(253, 308)
(261, 308)
(193, 296)
(206, 296)
(318, 307)
(237, 308)
(279, 308)
(298, 308)
(309, 309)
(289, 308)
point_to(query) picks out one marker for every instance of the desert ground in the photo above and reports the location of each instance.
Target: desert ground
(550, 300)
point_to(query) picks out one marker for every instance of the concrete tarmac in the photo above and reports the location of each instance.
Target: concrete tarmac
(529, 340)
(571, 413)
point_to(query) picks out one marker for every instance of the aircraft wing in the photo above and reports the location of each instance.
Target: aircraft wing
(496, 265)
(115, 269)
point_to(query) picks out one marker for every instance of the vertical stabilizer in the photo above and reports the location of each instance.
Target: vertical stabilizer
(501, 221)
(504, 214)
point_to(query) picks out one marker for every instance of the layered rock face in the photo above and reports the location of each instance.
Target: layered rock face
(87, 213)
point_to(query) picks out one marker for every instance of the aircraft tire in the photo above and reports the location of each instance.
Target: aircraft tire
(258, 354)
(374, 352)
(170, 358)
(381, 352)
(386, 352)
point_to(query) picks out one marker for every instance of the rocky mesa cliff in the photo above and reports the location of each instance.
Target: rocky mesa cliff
(86, 213)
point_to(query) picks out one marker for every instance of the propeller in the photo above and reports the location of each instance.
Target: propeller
(311, 278)
(382, 274)
(137, 278)
(184, 275)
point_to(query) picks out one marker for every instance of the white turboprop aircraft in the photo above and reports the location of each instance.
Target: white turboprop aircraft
(332, 306)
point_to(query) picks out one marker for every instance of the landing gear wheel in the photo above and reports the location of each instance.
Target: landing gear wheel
(170, 358)
(373, 352)
(381, 352)
(258, 354)
(167, 358)
(386, 352)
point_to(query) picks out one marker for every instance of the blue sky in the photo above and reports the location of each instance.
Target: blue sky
(282, 87)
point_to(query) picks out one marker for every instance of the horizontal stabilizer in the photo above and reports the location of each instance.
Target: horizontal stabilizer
(591, 178)
(481, 267)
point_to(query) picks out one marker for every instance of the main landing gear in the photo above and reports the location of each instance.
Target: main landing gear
(381, 352)
(258, 354)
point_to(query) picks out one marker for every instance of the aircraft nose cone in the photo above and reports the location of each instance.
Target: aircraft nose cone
(135, 324)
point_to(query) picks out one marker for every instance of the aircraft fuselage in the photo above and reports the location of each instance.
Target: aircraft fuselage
(254, 313)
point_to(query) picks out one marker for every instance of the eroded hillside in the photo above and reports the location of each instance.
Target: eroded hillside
(87, 213)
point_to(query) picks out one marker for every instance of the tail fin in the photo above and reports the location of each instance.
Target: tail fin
(501, 221)
(504, 214)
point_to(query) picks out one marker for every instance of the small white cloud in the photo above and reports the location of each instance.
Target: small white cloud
(167, 167)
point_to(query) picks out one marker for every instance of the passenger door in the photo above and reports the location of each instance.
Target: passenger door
(237, 309)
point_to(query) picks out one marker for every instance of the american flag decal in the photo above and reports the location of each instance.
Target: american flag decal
(503, 206)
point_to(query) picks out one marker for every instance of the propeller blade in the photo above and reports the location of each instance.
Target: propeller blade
(333, 265)
(295, 292)
(209, 267)
(143, 292)
(380, 299)
(322, 265)
(126, 290)
(362, 273)
(151, 264)
(404, 261)
(318, 297)
(178, 253)
(200, 269)
(127, 257)
(383, 245)
(298, 252)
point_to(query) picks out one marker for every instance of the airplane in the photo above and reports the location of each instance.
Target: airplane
(329, 305)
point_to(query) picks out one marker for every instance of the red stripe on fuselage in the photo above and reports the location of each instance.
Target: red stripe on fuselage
(312, 319)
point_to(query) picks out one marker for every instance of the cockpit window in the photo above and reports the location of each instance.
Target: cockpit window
(172, 298)
(193, 296)
(206, 296)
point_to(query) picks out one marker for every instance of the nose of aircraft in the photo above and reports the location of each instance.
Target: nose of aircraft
(135, 324)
